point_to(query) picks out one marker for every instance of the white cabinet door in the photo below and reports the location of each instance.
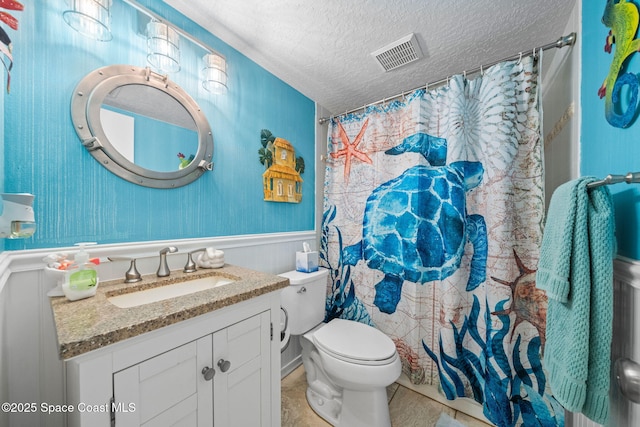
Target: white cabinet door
(242, 383)
(171, 389)
(166, 390)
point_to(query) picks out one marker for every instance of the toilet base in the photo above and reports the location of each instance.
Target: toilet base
(328, 409)
(364, 409)
(355, 409)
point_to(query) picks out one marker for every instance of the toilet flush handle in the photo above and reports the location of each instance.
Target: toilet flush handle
(302, 290)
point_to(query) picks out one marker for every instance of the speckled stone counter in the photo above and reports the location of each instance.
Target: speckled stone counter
(92, 323)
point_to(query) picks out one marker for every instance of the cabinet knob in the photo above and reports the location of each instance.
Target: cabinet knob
(208, 373)
(224, 365)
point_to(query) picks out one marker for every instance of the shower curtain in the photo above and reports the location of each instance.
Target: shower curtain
(433, 216)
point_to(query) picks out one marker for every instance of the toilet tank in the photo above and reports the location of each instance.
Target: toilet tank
(304, 299)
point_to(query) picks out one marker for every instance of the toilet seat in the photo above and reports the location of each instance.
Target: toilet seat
(355, 342)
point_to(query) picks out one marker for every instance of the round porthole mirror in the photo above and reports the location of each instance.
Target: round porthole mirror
(142, 127)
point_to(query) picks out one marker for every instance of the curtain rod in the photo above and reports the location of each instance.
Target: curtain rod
(568, 40)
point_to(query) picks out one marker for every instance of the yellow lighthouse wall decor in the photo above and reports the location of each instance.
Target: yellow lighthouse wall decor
(281, 180)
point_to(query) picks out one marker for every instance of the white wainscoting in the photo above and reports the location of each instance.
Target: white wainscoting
(626, 342)
(30, 370)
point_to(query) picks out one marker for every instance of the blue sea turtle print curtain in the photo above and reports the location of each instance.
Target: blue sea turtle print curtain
(433, 216)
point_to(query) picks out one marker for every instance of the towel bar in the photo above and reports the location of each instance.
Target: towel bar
(630, 178)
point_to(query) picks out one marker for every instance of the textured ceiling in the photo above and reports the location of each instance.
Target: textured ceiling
(323, 47)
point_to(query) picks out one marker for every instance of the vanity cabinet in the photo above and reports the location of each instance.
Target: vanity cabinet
(240, 392)
(217, 369)
(163, 390)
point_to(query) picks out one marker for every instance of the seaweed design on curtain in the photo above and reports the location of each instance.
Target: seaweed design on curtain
(432, 233)
(490, 374)
(342, 301)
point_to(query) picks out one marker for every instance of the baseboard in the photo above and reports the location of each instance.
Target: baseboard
(291, 366)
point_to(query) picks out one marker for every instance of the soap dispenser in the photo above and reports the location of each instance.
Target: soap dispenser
(82, 277)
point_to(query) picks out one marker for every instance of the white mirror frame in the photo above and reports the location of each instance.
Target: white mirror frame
(86, 102)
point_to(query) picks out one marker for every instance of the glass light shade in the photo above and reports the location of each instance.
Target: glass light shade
(91, 18)
(163, 47)
(214, 73)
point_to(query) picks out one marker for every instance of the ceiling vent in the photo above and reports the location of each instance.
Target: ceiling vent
(399, 53)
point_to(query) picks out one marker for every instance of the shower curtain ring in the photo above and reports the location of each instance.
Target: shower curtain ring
(481, 71)
(520, 58)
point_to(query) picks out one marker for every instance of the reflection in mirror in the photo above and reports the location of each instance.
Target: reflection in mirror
(149, 128)
(142, 127)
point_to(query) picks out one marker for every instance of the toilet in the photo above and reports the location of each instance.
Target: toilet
(348, 364)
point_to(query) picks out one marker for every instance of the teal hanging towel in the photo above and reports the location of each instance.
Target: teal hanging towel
(576, 271)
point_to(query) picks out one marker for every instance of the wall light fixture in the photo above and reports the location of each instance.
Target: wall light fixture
(214, 73)
(91, 18)
(163, 47)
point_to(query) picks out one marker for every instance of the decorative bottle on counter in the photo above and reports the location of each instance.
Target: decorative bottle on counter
(82, 277)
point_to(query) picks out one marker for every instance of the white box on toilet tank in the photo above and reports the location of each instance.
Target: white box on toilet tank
(307, 262)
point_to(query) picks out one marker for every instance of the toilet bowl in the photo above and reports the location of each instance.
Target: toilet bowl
(348, 364)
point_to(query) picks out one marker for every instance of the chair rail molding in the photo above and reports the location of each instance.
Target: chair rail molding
(272, 253)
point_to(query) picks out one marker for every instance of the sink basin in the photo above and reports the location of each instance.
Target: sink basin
(160, 293)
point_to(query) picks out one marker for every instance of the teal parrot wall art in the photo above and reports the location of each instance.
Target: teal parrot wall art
(620, 106)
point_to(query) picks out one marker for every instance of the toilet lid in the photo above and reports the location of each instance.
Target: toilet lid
(355, 341)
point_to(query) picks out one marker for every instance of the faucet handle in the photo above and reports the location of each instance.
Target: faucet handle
(132, 275)
(190, 266)
(163, 268)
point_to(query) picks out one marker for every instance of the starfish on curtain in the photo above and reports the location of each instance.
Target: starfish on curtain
(527, 302)
(349, 149)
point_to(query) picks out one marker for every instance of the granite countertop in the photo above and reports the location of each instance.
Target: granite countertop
(92, 323)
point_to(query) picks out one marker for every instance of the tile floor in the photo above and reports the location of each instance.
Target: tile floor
(406, 407)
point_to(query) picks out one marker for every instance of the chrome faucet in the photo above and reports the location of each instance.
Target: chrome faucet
(132, 275)
(190, 266)
(163, 268)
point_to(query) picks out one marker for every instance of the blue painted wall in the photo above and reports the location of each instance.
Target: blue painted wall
(79, 200)
(604, 148)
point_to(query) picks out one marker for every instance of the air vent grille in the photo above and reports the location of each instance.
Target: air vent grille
(399, 53)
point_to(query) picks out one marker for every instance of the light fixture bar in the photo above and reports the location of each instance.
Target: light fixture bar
(158, 18)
